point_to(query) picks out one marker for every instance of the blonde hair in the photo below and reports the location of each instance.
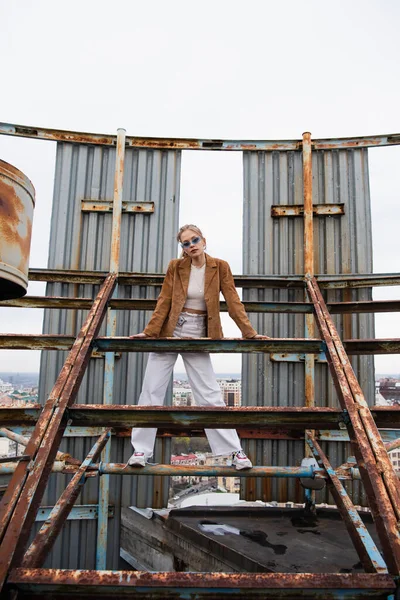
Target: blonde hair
(192, 228)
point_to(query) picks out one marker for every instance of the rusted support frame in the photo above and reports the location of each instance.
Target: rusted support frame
(367, 551)
(22, 498)
(47, 535)
(109, 357)
(66, 583)
(380, 488)
(23, 441)
(308, 212)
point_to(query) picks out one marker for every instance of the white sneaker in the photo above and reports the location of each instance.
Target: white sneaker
(241, 461)
(137, 460)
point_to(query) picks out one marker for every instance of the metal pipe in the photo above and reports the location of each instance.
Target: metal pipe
(7, 468)
(109, 358)
(20, 439)
(205, 471)
(392, 445)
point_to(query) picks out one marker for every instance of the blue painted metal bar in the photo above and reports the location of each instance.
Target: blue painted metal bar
(369, 554)
(79, 512)
(207, 471)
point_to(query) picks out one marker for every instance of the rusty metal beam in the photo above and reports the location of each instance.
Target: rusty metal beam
(48, 533)
(75, 137)
(285, 420)
(349, 280)
(22, 498)
(366, 549)
(196, 417)
(140, 584)
(364, 306)
(298, 210)
(379, 479)
(106, 206)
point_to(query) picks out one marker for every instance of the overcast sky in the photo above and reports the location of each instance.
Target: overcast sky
(209, 69)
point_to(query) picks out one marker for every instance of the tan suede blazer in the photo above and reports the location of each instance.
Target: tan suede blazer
(218, 278)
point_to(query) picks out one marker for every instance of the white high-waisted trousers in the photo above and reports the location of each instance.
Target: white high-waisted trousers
(203, 382)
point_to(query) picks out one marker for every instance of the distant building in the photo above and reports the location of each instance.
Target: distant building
(390, 390)
(5, 387)
(182, 397)
(184, 460)
(231, 391)
(395, 458)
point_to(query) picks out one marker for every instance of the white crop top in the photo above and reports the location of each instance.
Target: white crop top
(195, 293)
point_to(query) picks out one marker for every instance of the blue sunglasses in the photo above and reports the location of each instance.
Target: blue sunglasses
(193, 241)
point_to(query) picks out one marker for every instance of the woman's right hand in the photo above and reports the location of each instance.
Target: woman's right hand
(139, 335)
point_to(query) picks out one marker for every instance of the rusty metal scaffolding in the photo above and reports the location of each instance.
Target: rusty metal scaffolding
(21, 572)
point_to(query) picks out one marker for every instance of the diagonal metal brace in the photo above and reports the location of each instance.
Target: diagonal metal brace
(368, 553)
(381, 484)
(47, 535)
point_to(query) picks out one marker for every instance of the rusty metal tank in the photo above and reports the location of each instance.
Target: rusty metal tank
(17, 201)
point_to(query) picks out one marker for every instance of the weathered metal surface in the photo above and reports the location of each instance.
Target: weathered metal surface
(46, 536)
(368, 553)
(295, 357)
(391, 445)
(194, 585)
(380, 491)
(213, 471)
(368, 306)
(275, 281)
(109, 358)
(298, 210)
(17, 201)
(23, 496)
(7, 468)
(89, 418)
(126, 207)
(76, 137)
(273, 246)
(195, 417)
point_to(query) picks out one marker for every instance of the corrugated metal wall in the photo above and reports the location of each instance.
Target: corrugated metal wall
(82, 241)
(343, 244)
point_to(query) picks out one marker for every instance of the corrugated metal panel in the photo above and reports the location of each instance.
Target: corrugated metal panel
(343, 244)
(82, 241)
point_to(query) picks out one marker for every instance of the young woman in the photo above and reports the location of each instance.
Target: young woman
(188, 307)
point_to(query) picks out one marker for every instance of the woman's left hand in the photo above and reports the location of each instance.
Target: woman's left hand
(261, 337)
